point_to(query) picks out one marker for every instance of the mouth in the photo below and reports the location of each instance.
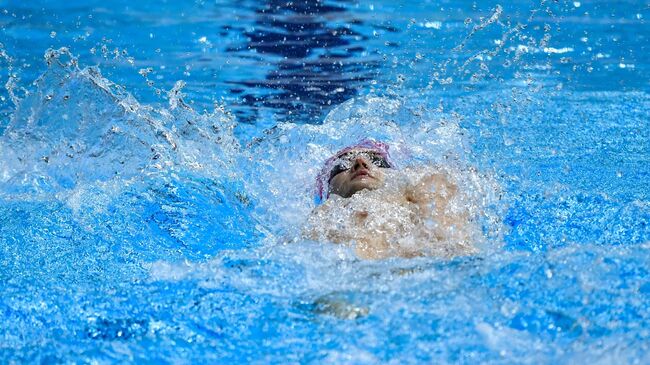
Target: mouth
(361, 174)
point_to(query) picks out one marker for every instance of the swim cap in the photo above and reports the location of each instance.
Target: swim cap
(322, 180)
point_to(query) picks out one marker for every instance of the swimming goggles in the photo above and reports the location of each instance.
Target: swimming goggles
(346, 161)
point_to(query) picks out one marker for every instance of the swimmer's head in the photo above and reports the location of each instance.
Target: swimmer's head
(354, 168)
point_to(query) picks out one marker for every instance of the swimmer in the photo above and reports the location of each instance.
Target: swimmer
(386, 212)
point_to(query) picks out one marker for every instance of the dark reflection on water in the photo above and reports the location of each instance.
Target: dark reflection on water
(316, 54)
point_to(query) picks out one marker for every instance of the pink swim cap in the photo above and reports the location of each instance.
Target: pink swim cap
(322, 180)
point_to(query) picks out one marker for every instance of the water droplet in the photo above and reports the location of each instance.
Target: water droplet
(549, 273)
(434, 25)
(52, 34)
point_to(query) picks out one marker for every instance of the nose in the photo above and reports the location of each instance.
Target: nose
(359, 163)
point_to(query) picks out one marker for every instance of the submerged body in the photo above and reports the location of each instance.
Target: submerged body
(409, 213)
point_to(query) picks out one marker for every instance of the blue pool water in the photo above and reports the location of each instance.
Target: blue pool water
(157, 163)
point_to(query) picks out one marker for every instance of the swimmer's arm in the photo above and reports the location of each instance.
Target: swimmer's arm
(433, 195)
(433, 189)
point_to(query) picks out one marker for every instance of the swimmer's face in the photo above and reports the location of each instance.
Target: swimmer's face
(357, 170)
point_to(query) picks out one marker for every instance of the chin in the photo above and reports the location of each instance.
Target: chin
(361, 185)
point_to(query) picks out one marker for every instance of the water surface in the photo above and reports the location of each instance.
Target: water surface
(157, 162)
